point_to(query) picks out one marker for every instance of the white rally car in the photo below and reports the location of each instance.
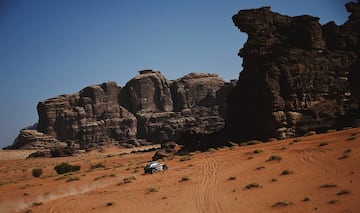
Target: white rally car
(154, 167)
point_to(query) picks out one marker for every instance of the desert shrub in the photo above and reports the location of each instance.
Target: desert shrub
(36, 172)
(348, 151)
(185, 158)
(343, 192)
(37, 203)
(343, 156)
(128, 179)
(286, 172)
(282, 203)
(65, 168)
(28, 211)
(70, 179)
(211, 150)
(328, 185)
(333, 201)
(257, 151)
(274, 158)
(310, 133)
(184, 178)
(183, 152)
(273, 180)
(152, 189)
(306, 199)
(260, 167)
(252, 142)
(297, 140)
(252, 185)
(111, 203)
(98, 166)
(232, 178)
(26, 193)
(351, 138)
(323, 144)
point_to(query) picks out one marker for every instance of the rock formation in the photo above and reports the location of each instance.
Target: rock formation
(149, 109)
(295, 75)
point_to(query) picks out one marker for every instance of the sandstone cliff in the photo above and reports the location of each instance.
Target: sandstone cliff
(295, 75)
(148, 109)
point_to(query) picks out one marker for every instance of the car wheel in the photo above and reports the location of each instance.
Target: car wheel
(165, 167)
(153, 171)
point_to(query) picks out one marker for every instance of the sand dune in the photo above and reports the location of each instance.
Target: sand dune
(318, 173)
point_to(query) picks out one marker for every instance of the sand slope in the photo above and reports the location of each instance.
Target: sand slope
(320, 167)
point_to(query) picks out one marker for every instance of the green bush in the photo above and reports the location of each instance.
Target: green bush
(65, 168)
(36, 172)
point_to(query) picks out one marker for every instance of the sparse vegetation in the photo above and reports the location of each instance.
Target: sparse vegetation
(252, 185)
(37, 203)
(252, 142)
(184, 178)
(66, 168)
(328, 185)
(98, 166)
(306, 199)
(274, 158)
(232, 178)
(343, 192)
(343, 156)
(185, 158)
(26, 193)
(70, 179)
(297, 140)
(260, 167)
(333, 201)
(111, 203)
(323, 144)
(286, 172)
(211, 150)
(273, 180)
(282, 203)
(257, 151)
(152, 189)
(128, 180)
(36, 172)
(351, 138)
(311, 133)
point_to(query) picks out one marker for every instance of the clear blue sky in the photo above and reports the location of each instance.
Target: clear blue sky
(54, 47)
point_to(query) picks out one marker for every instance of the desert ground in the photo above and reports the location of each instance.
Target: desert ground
(316, 173)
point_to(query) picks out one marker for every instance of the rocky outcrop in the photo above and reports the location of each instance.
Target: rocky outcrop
(148, 92)
(149, 109)
(32, 139)
(91, 116)
(295, 77)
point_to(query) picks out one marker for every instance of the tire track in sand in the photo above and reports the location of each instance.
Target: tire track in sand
(207, 196)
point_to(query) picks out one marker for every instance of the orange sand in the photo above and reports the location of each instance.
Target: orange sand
(216, 180)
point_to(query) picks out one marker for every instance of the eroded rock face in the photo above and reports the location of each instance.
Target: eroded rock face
(148, 109)
(295, 76)
(91, 116)
(32, 139)
(148, 92)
